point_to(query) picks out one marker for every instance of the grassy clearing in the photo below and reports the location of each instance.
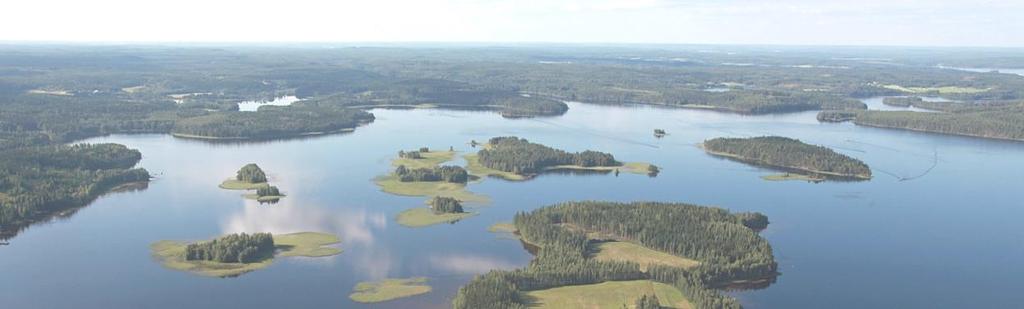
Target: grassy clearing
(232, 184)
(474, 167)
(172, 254)
(791, 176)
(267, 198)
(63, 93)
(502, 227)
(389, 289)
(628, 167)
(391, 184)
(607, 295)
(430, 159)
(133, 89)
(630, 252)
(941, 90)
(423, 217)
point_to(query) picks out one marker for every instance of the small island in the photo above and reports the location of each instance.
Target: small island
(252, 177)
(249, 177)
(389, 289)
(442, 210)
(236, 254)
(420, 173)
(513, 158)
(790, 155)
(609, 255)
(659, 133)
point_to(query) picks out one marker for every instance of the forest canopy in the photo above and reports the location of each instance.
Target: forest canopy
(727, 249)
(788, 153)
(519, 156)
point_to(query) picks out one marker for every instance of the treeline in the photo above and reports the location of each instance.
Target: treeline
(902, 101)
(234, 248)
(39, 182)
(446, 173)
(251, 173)
(272, 122)
(789, 153)
(1002, 122)
(517, 155)
(728, 251)
(445, 205)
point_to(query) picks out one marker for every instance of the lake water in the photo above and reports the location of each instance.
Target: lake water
(252, 106)
(877, 103)
(986, 70)
(948, 238)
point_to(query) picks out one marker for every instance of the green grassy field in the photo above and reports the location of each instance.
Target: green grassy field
(628, 167)
(791, 176)
(389, 289)
(232, 184)
(430, 159)
(607, 295)
(502, 227)
(630, 252)
(474, 167)
(423, 217)
(263, 198)
(172, 254)
(391, 184)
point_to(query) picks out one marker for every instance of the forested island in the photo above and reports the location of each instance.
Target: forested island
(235, 254)
(421, 173)
(987, 121)
(721, 249)
(442, 210)
(789, 154)
(514, 158)
(40, 182)
(251, 177)
(271, 122)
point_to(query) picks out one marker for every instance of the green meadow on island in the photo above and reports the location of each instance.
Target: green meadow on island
(237, 254)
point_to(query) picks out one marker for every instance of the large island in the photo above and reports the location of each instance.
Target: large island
(38, 183)
(677, 254)
(813, 162)
(271, 122)
(514, 158)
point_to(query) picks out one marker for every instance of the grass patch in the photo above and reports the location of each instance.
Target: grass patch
(429, 160)
(267, 198)
(133, 89)
(502, 227)
(391, 184)
(232, 184)
(474, 167)
(389, 289)
(791, 176)
(423, 217)
(630, 252)
(172, 254)
(628, 167)
(607, 295)
(941, 90)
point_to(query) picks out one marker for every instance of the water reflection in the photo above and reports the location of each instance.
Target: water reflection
(354, 226)
(469, 264)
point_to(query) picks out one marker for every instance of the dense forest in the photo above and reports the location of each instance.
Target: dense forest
(445, 205)
(234, 248)
(446, 173)
(517, 155)
(251, 173)
(271, 122)
(268, 191)
(728, 251)
(1006, 122)
(41, 181)
(789, 153)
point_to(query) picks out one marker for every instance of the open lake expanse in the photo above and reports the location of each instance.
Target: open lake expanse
(939, 220)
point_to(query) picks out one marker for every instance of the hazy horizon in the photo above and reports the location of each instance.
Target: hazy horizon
(870, 23)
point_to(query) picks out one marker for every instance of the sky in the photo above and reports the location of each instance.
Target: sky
(784, 22)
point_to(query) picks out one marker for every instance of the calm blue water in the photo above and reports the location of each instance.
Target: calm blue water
(949, 237)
